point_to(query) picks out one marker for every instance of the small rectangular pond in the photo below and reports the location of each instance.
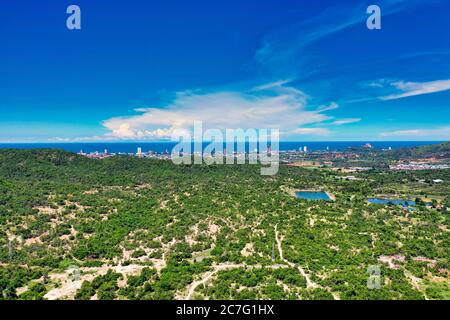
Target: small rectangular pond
(312, 195)
(396, 202)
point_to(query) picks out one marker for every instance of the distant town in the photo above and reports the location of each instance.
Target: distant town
(105, 154)
(349, 160)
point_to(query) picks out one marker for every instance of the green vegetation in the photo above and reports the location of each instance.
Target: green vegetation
(439, 149)
(148, 229)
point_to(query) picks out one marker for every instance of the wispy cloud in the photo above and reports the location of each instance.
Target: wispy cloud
(345, 121)
(409, 89)
(271, 85)
(331, 106)
(425, 53)
(442, 133)
(311, 131)
(285, 51)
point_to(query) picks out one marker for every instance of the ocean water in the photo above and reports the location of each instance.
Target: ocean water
(131, 147)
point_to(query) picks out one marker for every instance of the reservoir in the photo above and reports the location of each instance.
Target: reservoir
(392, 201)
(312, 195)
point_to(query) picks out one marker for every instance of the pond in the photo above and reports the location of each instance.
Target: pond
(392, 201)
(312, 195)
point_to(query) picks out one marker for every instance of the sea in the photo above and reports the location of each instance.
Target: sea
(161, 147)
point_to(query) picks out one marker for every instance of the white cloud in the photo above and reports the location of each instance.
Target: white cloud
(271, 85)
(442, 133)
(409, 89)
(375, 84)
(275, 106)
(345, 121)
(311, 131)
(379, 83)
(331, 106)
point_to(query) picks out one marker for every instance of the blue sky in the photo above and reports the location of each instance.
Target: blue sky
(142, 70)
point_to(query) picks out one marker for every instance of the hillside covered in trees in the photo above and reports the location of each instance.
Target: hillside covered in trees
(437, 150)
(132, 228)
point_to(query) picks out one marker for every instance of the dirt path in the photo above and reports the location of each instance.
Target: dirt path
(69, 286)
(415, 282)
(225, 266)
(309, 282)
(207, 276)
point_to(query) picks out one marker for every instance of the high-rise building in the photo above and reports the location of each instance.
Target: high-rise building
(139, 151)
(305, 149)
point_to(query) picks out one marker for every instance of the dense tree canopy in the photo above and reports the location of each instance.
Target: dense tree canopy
(149, 229)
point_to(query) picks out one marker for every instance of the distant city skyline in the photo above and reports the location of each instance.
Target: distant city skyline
(140, 71)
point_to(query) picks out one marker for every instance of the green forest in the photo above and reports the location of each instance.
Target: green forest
(136, 228)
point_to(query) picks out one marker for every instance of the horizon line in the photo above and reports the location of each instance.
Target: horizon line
(208, 141)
